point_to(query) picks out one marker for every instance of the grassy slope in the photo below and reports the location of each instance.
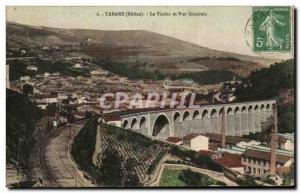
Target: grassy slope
(177, 178)
(171, 178)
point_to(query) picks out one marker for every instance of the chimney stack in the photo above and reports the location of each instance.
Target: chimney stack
(273, 143)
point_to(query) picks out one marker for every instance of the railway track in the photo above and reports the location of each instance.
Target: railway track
(53, 165)
(50, 180)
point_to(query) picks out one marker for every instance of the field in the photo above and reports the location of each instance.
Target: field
(177, 178)
(171, 178)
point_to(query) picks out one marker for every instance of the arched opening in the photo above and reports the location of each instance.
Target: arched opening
(248, 169)
(250, 108)
(204, 113)
(229, 111)
(143, 123)
(176, 117)
(230, 122)
(256, 108)
(125, 123)
(186, 116)
(251, 120)
(134, 124)
(221, 111)
(268, 107)
(273, 105)
(214, 121)
(262, 107)
(236, 110)
(213, 113)
(161, 126)
(196, 114)
(243, 109)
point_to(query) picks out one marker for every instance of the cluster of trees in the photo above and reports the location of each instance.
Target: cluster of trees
(286, 117)
(248, 181)
(208, 77)
(267, 83)
(63, 67)
(155, 162)
(130, 71)
(194, 179)
(17, 68)
(270, 83)
(197, 59)
(138, 71)
(289, 177)
(113, 173)
(115, 170)
(196, 159)
(21, 119)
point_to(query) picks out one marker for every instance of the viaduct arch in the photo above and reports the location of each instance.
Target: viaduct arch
(240, 119)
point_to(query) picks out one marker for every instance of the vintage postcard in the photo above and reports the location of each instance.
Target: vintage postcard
(150, 97)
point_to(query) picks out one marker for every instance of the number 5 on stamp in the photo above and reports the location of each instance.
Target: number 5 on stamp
(271, 29)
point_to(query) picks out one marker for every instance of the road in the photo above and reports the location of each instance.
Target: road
(21, 58)
(52, 162)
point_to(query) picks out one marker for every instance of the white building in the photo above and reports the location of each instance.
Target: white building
(77, 66)
(98, 75)
(244, 144)
(287, 142)
(46, 74)
(196, 142)
(24, 78)
(31, 67)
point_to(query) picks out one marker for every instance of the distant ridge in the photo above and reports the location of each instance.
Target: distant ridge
(156, 51)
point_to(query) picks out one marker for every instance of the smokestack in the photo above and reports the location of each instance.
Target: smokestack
(273, 143)
(223, 129)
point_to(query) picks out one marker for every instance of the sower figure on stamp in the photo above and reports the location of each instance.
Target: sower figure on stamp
(268, 26)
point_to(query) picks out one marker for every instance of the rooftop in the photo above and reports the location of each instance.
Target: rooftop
(191, 136)
(174, 139)
(230, 160)
(265, 155)
(233, 140)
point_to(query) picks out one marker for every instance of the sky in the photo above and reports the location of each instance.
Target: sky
(223, 28)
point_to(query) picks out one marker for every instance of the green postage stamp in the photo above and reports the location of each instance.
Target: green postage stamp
(271, 29)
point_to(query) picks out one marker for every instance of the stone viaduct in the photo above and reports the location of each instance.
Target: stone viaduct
(240, 119)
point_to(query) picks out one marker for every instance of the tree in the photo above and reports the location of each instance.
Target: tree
(289, 176)
(27, 89)
(130, 177)
(248, 181)
(111, 168)
(286, 118)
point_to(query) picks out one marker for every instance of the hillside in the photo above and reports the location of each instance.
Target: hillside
(275, 82)
(151, 50)
(114, 156)
(21, 117)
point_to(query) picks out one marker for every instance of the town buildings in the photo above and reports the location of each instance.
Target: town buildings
(196, 142)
